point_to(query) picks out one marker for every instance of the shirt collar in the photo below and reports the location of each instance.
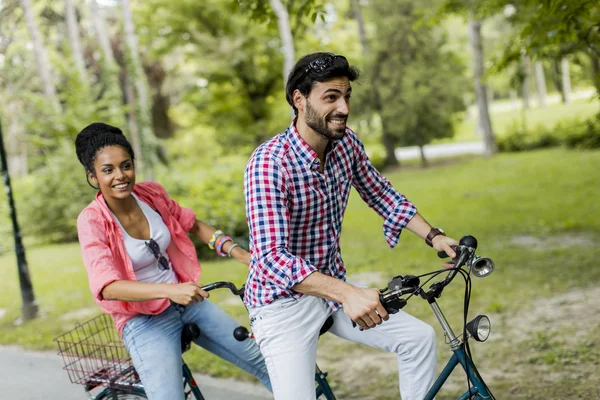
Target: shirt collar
(302, 150)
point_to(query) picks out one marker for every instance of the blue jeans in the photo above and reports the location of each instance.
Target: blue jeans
(154, 343)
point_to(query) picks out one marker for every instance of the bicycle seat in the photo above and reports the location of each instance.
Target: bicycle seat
(189, 333)
(326, 326)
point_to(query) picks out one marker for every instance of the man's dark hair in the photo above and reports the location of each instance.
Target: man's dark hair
(317, 67)
(96, 136)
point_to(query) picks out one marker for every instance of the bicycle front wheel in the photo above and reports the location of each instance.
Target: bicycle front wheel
(122, 394)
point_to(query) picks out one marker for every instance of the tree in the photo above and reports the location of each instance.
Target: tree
(480, 87)
(43, 66)
(226, 65)
(549, 29)
(73, 30)
(540, 84)
(416, 85)
(144, 139)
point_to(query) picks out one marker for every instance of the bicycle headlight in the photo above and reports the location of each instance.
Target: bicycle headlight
(480, 328)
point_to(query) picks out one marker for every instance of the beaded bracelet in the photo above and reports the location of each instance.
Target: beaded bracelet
(231, 248)
(220, 244)
(213, 239)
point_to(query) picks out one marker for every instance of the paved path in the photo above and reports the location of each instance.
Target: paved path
(30, 375)
(440, 150)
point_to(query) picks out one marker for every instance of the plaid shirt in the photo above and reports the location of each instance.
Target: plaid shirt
(295, 213)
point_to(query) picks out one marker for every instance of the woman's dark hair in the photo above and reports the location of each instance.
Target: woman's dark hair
(96, 136)
(317, 67)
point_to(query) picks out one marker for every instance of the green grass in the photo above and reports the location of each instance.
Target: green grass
(549, 196)
(504, 120)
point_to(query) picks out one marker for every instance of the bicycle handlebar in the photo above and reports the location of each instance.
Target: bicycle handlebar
(410, 285)
(222, 284)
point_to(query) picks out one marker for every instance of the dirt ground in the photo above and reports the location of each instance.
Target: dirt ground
(550, 350)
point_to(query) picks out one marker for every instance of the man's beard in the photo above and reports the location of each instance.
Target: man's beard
(319, 124)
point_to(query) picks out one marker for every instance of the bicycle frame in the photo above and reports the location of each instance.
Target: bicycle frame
(478, 389)
(188, 379)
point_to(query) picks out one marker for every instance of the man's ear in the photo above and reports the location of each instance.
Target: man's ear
(299, 100)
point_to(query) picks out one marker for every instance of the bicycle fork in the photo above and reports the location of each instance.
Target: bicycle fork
(478, 389)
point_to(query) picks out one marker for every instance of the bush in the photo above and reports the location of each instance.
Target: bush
(586, 136)
(217, 197)
(52, 198)
(573, 133)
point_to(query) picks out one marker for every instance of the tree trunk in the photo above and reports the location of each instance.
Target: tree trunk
(73, 30)
(109, 75)
(595, 61)
(566, 80)
(556, 77)
(101, 32)
(420, 143)
(41, 58)
(16, 145)
(389, 142)
(480, 87)
(362, 34)
(285, 33)
(137, 77)
(525, 68)
(540, 84)
(287, 41)
(514, 100)
(423, 159)
(132, 123)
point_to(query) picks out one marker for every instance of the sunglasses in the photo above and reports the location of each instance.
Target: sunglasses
(321, 64)
(163, 263)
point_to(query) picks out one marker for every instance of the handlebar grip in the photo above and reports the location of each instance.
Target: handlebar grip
(442, 254)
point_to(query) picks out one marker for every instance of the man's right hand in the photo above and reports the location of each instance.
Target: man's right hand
(362, 305)
(186, 293)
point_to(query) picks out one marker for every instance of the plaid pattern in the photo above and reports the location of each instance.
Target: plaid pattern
(295, 213)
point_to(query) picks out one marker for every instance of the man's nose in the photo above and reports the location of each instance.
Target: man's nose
(343, 107)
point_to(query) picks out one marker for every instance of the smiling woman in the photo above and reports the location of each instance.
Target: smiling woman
(143, 269)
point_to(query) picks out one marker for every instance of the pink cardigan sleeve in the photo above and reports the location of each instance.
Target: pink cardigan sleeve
(97, 257)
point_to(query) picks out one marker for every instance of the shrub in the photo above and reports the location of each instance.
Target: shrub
(586, 135)
(572, 133)
(52, 198)
(216, 195)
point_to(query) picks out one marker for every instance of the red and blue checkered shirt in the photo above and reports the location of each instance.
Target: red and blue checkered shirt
(295, 213)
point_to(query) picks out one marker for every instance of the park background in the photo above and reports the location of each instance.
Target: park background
(197, 85)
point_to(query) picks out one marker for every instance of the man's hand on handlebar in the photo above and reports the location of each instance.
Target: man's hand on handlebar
(362, 305)
(186, 293)
(445, 243)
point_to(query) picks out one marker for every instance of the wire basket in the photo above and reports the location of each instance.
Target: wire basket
(94, 355)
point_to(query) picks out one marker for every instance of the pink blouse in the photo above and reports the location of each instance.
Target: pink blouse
(106, 259)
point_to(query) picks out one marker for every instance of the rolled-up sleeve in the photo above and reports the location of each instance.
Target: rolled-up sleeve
(97, 257)
(395, 209)
(269, 223)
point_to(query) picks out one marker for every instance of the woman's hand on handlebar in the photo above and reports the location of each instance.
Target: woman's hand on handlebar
(186, 293)
(362, 305)
(444, 243)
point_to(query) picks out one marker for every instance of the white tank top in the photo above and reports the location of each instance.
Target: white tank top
(145, 265)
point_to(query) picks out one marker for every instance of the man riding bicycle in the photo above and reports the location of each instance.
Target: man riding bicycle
(297, 187)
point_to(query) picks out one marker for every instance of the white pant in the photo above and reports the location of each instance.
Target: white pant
(287, 331)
